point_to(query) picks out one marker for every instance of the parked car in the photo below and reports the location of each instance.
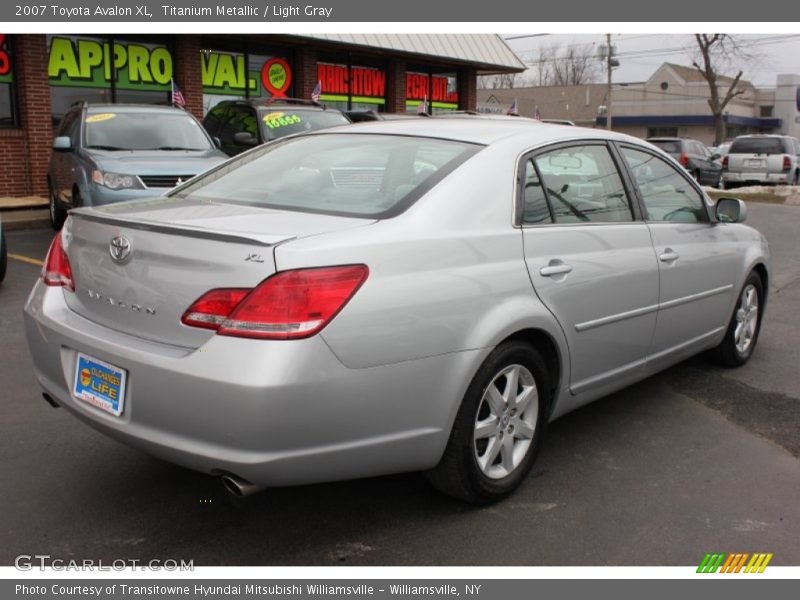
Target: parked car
(3, 253)
(761, 159)
(105, 153)
(405, 295)
(694, 157)
(242, 124)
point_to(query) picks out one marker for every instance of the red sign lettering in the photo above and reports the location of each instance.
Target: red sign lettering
(5, 61)
(417, 88)
(363, 80)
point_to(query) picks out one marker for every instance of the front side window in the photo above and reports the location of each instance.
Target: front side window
(667, 195)
(583, 185)
(360, 175)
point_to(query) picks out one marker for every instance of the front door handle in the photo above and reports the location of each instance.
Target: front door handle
(669, 255)
(555, 268)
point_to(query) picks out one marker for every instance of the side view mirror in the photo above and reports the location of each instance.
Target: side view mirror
(243, 138)
(716, 156)
(216, 141)
(62, 144)
(731, 210)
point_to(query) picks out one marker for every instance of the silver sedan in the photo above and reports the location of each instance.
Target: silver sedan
(393, 296)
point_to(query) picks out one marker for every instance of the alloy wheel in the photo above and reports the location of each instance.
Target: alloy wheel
(506, 421)
(746, 319)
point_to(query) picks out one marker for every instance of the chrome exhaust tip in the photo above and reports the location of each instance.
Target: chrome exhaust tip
(238, 487)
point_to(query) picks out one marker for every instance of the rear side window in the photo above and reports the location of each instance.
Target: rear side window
(666, 194)
(535, 209)
(582, 185)
(366, 175)
(757, 146)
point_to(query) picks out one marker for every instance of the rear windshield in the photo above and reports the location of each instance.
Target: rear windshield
(360, 175)
(668, 146)
(144, 131)
(280, 123)
(757, 146)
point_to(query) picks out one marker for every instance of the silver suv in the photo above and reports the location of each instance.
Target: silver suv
(761, 159)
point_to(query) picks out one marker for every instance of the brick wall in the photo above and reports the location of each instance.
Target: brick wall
(25, 152)
(396, 98)
(188, 74)
(468, 98)
(305, 71)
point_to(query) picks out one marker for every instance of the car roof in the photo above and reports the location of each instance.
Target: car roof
(481, 130)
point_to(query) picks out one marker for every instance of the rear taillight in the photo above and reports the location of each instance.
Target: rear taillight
(211, 310)
(787, 163)
(684, 159)
(56, 270)
(725, 163)
(288, 305)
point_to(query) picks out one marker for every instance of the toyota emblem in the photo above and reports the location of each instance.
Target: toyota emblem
(119, 248)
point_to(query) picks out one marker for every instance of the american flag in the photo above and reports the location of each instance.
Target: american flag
(536, 114)
(177, 95)
(513, 110)
(422, 107)
(316, 93)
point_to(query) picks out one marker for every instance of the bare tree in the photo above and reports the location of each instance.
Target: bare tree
(500, 81)
(542, 67)
(718, 51)
(575, 66)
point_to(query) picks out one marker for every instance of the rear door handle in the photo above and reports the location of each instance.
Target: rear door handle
(555, 269)
(669, 255)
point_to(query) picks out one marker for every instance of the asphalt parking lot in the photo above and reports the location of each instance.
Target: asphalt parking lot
(695, 460)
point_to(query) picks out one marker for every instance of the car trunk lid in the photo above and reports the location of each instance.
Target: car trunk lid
(178, 250)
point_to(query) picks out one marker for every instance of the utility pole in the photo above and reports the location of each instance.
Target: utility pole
(609, 66)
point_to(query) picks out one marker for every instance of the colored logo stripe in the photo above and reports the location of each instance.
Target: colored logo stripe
(735, 562)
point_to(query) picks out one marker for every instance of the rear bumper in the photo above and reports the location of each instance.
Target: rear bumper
(757, 178)
(273, 412)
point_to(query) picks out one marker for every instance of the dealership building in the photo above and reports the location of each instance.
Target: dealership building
(41, 76)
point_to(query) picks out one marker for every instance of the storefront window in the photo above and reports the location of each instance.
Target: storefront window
(99, 69)
(352, 86)
(240, 72)
(8, 113)
(440, 89)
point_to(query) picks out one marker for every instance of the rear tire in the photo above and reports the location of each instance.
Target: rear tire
(741, 337)
(498, 430)
(57, 214)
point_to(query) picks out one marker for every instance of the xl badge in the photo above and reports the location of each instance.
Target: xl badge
(120, 249)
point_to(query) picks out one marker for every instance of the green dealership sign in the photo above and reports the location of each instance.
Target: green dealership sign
(87, 63)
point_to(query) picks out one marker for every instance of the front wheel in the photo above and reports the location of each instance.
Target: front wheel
(499, 427)
(745, 324)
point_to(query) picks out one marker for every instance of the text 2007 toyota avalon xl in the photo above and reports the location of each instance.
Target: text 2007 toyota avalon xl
(393, 296)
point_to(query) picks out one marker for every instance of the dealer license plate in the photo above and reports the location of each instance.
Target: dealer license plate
(100, 384)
